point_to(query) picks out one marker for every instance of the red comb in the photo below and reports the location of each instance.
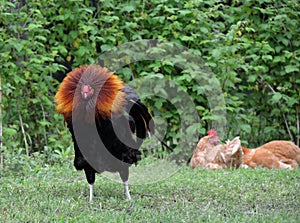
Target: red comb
(212, 132)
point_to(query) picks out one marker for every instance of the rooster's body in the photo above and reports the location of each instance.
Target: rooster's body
(102, 114)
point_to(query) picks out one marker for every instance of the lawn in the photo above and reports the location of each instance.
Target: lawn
(58, 193)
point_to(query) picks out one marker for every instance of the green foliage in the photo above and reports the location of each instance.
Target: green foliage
(251, 47)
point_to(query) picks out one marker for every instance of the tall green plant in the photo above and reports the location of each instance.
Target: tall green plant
(252, 47)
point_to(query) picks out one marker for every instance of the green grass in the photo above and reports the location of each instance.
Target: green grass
(60, 194)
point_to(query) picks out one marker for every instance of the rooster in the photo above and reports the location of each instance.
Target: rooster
(107, 120)
(208, 154)
(275, 154)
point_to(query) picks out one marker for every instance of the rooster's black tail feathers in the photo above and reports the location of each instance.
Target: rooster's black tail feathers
(141, 121)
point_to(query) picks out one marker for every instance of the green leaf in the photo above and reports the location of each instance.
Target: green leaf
(216, 53)
(18, 46)
(44, 123)
(279, 59)
(9, 131)
(276, 97)
(252, 78)
(291, 68)
(285, 41)
(185, 12)
(246, 128)
(106, 47)
(203, 29)
(292, 101)
(33, 26)
(275, 112)
(269, 129)
(267, 57)
(128, 8)
(41, 38)
(187, 38)
(194, 128)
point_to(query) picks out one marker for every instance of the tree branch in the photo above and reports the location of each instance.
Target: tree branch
(298, 126)
(1, 155)
(287, 127)
(44, 119)
(283, 115)
(23, 132)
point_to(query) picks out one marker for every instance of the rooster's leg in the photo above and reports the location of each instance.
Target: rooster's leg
(124, 174)
(90, 177)
(127, 194)
(91, 192)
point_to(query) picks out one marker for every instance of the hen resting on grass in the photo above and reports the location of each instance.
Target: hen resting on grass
(209, 155)
(275, 154)
(102, 114)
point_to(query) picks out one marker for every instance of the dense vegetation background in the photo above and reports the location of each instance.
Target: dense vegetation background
(252, 47)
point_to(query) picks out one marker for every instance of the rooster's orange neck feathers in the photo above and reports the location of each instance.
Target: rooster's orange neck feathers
(88, 91)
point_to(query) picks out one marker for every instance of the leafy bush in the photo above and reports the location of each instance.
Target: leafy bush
(251, 47)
